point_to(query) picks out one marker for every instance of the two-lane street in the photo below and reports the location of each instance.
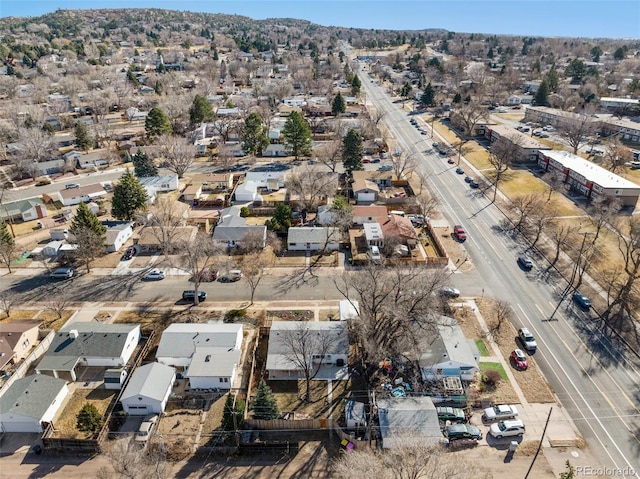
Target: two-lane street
(597, 382)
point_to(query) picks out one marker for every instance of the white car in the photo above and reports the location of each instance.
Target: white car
(153, 275)
(499, 412)
(501, 429)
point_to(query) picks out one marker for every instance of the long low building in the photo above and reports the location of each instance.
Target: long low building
(588, 178)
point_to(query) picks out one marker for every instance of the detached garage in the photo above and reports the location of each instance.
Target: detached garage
(30, 401)
(148, 389)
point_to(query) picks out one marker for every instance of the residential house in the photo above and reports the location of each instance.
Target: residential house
(326, 215)
(91, 159)
(327, 344)
(355, 414)
(589, 179)
(275, 150)
(152, 239)
(192, 192)
(148, 389)
(270, 180)
(368, 214)
(231, 229)
(50, 167)
(17, 338)
(519, 100)
(221, 112)
(118, 233)
(86, 344)
(30, 403)
(364, 190)
(401, 228)
(405, 420)
(305, 238)
(373, 234)
(83, 194)
(449, 353)
(246, 192)
(528, 147)
(159, 184)
(557, 118)
(209, 354)
(133, 114)
(25, 210)
(213, 181)
(295, 102)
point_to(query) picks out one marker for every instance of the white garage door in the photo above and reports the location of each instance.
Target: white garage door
(21, 426)
(139, 409)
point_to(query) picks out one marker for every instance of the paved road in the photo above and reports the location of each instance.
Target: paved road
(596, 379)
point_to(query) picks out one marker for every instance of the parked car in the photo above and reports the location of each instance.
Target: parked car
(450, 292)
(189, 294)
(474, 184)
(417, 220)
(459, 233)
(460, 171)
(435, 144)
(385, 168)
(582, 301)
(442, 151)
(527, 339)
(462, 431)
(374, 253)
(514, 427)
(519, 359)
(62, 273)
(468, 179)
(208, 275)
(70, 186)
(129, 253)
(452, 414)
(376, 160)
(153, 275)
(144, 431)
(451, 161)
(499, 412)
(231, 276)
(525, 263)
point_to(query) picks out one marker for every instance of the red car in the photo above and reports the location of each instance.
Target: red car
(519, 359)
(459, 233)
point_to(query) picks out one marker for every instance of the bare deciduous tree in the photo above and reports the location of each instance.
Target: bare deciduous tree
(311, 187)
(330, 154)
(167, 216)
(503, 151)
(178, 153)
(252, 269)
(6, 303)
(468, 116)
(199, 255)
(403, 163)
(301, 343)
(129, 462)
(58, 304)
(577, 131)
(617, 156)
(412, 458)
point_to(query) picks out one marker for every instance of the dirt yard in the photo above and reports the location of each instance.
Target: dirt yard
(289, 396)
(65, 425)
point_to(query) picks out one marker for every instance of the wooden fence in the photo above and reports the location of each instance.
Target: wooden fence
(289, 424)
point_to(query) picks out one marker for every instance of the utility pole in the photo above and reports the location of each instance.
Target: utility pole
(533, 461)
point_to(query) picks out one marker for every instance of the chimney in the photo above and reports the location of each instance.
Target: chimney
(73, 333)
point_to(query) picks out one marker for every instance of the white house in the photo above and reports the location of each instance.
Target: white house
(118, 233)
(328, 347)
(148, 389)
(213, 367)
(83, 194)
(373, 234)
(449, 354)
(180, 340)
(296, 101)
(271, 180)
(89, 344)
(26, 210)
(159, 184)
(231, 229)
(247, 191)
(307, 238)
(31, 401)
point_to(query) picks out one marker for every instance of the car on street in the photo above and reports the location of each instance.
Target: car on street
(385, 168)
(451, 161)
(474, 184)
(514, 427)
(190, 294)
(527, 339)
(462, 431)
(129, 253)
(468, 179)
(62, 273)
(519, 359)
(582, 301)
(525, 262)
(376, 160)
(208, 275)
(460, 171)
(499, 412)
(450, 292)
(459, 233)
(451, 414)
(153, 275)
(442, 151)
(435, 144)
(366, 160)
(231, 276)
(70, 186)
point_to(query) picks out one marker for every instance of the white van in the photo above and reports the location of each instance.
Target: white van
(397, 212)
(374, 253)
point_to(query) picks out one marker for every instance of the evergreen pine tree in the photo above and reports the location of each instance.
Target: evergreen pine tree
(352, 151)
(128, 197)
(157, 123)
(297, 135)
(83, 139)
(355, 85)
(542, 94)
(428, 96)
(86, 219)
(200, 110)
(143, 166)
(457, 98)
(338, 105)
(89, 418)
(254, 136)
(264, 404)
(229, 412)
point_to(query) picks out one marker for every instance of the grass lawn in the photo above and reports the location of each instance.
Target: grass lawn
(484, 367)
(482, 347)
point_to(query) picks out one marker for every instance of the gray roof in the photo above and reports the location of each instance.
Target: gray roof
(212, 361)
(31, 396)
(449, 345)
(179, 340)
(278, 350)
(151, 380)
(224, 232)
(96, 340)
(16, 208)
(411, 417)
(306, 234)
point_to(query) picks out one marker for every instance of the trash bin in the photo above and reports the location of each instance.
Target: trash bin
(513, 446)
